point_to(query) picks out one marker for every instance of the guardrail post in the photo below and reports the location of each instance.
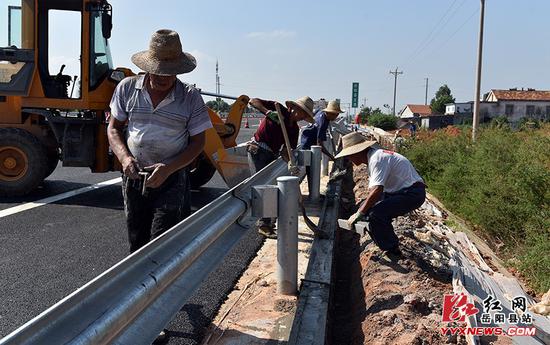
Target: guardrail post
(287, 235)
(324, 164)
(315, 171)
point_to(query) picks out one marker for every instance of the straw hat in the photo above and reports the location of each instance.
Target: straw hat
(333, 107)
(165, 55)
(306, 104)
(353, 143)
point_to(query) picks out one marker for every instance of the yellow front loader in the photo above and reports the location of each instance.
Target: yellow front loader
(47, 116)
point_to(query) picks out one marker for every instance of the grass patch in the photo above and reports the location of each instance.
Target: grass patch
(501, 184)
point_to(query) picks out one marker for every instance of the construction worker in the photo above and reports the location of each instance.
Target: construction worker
(166, 120)
(268, 141)
(395, 188)
(316, 133)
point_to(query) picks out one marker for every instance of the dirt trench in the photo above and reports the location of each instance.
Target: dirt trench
(383, 300)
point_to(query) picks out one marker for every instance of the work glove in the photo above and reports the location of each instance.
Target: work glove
(293, 169)
(337, 174)
(356, 217)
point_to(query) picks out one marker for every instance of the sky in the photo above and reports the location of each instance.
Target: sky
(287, 49)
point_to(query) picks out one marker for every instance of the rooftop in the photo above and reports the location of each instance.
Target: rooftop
(521, 95)
(420, 109)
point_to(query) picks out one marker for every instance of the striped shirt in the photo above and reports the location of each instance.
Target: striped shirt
(158, 135)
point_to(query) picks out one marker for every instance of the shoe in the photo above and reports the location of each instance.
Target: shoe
(267, 231)
(162, 338)
(394, 254)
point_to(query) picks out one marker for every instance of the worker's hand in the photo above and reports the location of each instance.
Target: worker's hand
(159, 174)
(357, 216)
(129, 167)
(294, 170)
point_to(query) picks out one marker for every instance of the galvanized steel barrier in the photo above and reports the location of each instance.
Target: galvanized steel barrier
(132, 302)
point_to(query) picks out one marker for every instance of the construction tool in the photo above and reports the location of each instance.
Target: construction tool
(310, 224)
(143, 175)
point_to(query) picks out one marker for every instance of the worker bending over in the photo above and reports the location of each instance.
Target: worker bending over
(268, 141)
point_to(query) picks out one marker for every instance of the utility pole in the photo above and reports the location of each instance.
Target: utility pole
(478, 75)
(395, 74)
(426, 98)
(217, 79)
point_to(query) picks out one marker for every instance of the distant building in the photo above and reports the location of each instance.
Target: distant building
(436, 121)
(516, 104)
(459, 108)
(462, 112)
(412, 111)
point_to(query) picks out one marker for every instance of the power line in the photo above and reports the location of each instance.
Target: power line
(432, 30)
(427, 44)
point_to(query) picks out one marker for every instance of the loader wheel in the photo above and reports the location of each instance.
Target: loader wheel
(202, 172)
(23, 162)
(53, 159)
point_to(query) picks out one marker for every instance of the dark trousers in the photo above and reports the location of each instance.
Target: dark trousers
(148, 216)
(261, 158)
(379, 217)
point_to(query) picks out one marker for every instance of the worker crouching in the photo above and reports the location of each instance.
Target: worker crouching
(395, 188)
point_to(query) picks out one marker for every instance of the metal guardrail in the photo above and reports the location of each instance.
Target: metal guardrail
(132, 302)
(311, 320)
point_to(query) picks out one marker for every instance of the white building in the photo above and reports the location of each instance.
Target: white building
(459, 108)
(415, 111)
(516, 104)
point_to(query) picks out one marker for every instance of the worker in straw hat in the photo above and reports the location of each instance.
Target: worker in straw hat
(166, 120)
(268, 141)
(316, 133)
(395, 188)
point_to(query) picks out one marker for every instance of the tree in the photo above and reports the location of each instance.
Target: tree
(442, 97)
(386, 122)
(368, 111)
(218, 105)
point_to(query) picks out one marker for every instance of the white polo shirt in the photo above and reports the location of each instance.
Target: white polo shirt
(157, 135)
(390, 170)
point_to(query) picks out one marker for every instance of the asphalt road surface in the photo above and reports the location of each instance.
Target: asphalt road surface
(49, 251)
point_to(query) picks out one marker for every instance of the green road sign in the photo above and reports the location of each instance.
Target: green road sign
(355, 95)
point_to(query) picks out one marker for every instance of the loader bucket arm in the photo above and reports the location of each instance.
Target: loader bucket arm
(221, 142)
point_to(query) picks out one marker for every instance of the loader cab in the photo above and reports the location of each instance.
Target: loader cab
(56, 82)
(62, 42)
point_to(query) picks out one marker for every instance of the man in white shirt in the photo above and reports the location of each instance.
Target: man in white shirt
(395, 188)
(166, 120)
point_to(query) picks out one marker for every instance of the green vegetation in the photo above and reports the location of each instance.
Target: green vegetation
(218, 105)
(384, 121)
(500, 184)
(442, 97)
